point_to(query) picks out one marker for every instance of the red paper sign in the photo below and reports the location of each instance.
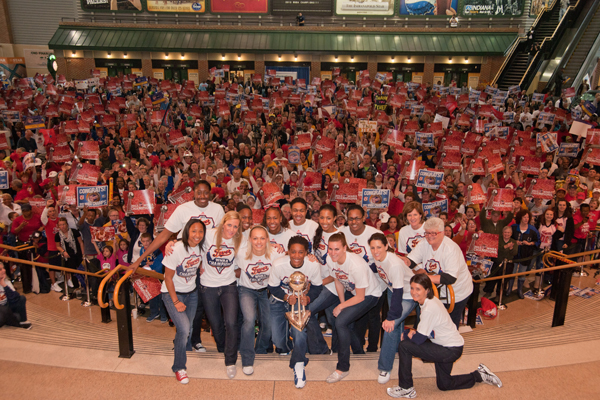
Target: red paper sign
(37, 205)
(503, 199)
(162, 213)
(312, 181)
(102, 233)
(271, 193)
(486, 245)
(325, 143)
(543, 189)
(146, 287)
(67, 194)
(477, 196)
(84, 173)
(139, 202)
(61, 154)
(89, 150)
(304, 141)
(411, 170)
(176, 138)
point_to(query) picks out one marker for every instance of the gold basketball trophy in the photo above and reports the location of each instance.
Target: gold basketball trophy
(298, 318)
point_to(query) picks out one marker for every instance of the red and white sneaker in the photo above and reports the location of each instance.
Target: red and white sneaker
(182, 376)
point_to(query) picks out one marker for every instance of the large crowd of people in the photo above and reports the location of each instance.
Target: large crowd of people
(245, 183)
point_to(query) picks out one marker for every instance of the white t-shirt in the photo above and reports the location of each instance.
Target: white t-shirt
(408, 238)
(360, 244)
(211, 216)
(306, 230)
(3, 298)
(282, 269)
(136, 249)
(279, 242)
(354, 274)
(436, 324)
(233, 186)
(321, 254)
(185, 264)
(255, 271)
(395, 274)
(448, 258)
(218, 264)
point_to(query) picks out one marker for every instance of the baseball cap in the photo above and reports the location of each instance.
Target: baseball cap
(596, 190)
(46, 182)
(53, 174)
(563, 189)
(581, 196)
(188, 154)
(202, 171)
(220, 171)
(26, 207)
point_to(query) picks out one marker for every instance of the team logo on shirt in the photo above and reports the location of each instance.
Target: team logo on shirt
(321, 252)
(209, 222)
(258, 273)
(188, 268)
(220, 258)
(343, 278)
(433, 266)
(307, 238)
(412, 242)
(384, 276)
(277, 247)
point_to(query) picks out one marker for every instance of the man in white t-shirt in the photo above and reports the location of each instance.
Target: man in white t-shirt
(299, 224)
(442, 257)
(234, 184)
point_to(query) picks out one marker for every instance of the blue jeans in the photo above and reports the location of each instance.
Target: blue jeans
(183, 324)
(225, 326)
(344, 323)
(253, 304)
(392, 340)
(316, 343)
(157, 307)
(280, 326)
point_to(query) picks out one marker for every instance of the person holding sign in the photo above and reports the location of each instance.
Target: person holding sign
(435, 340)
(442, 257)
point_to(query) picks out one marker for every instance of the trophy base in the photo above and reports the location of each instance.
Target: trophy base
(298, 321)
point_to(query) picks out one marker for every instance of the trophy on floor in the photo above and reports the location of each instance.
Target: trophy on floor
(298, 318)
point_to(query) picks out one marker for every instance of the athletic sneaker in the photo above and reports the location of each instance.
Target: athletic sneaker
(231, 371)
(299, 375)
(152, 318)
(26, 325)
(56, 287)
(328, 332)
(198, 348)
(335, 377)
(249, 370)
(70, 283)
(384, 377)
(322, 325)
(399, 392)
(182, 377)
(488, 376)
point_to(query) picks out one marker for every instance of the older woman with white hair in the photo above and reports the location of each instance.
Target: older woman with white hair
(443, 258)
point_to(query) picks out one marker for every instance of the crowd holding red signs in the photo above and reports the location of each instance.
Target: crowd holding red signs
(518, 175)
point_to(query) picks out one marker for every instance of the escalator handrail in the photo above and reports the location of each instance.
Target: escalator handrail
(576, 39)
(518, 41)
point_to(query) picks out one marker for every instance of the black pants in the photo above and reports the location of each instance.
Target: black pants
(496, 271)
(443, 357)
(372, 320)
(12, 314)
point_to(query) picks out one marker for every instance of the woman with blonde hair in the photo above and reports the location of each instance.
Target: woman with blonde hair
(255, 266)
(218, 285)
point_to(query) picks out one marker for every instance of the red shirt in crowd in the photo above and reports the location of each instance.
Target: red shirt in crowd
(33, 224)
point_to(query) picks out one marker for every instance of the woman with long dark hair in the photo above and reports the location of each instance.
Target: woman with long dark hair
(179, 291)
(528, 240)
(565, 225)
(435, 340)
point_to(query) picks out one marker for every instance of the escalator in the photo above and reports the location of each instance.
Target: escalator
(548, 31)
(584, 46)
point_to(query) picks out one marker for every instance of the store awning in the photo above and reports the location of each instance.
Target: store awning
(252, 41)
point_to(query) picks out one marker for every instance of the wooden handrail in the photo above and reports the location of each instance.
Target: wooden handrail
(99, 274)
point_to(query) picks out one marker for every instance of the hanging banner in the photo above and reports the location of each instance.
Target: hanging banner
(369, 7)
(309, 7)
(428, 7)
(239, 6)
(92, 196)
(492, 8)
(110, 5)
(198, 6)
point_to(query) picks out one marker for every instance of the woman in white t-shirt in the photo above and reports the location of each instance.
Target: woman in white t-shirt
(358, 292)
(255, 265)
(218, 285)
(437, 340)
(279, 229)
(396, 276)
(179, 292)
(411, 234)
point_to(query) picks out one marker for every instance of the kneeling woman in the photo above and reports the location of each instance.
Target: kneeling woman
(179, 292)
(355, 281)
(443, 348)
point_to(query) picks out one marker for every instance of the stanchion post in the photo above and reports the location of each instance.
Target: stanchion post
(66, 296)
(561, 291)
(583, 272)
(501, 306)
(473, 303)
(87, 303)
(124, 322)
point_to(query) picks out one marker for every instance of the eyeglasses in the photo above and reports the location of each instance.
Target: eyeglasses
(430, 234)
(355, 219)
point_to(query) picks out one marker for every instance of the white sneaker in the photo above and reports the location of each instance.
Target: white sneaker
(398, 392)
(198, 348)
(322, 325)
(336, 377)
(384, 377)
(231, 371)
(299, 375)
(70, 283)
(60, 278)
(488, 376)
(56, 287)
(249, 370)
